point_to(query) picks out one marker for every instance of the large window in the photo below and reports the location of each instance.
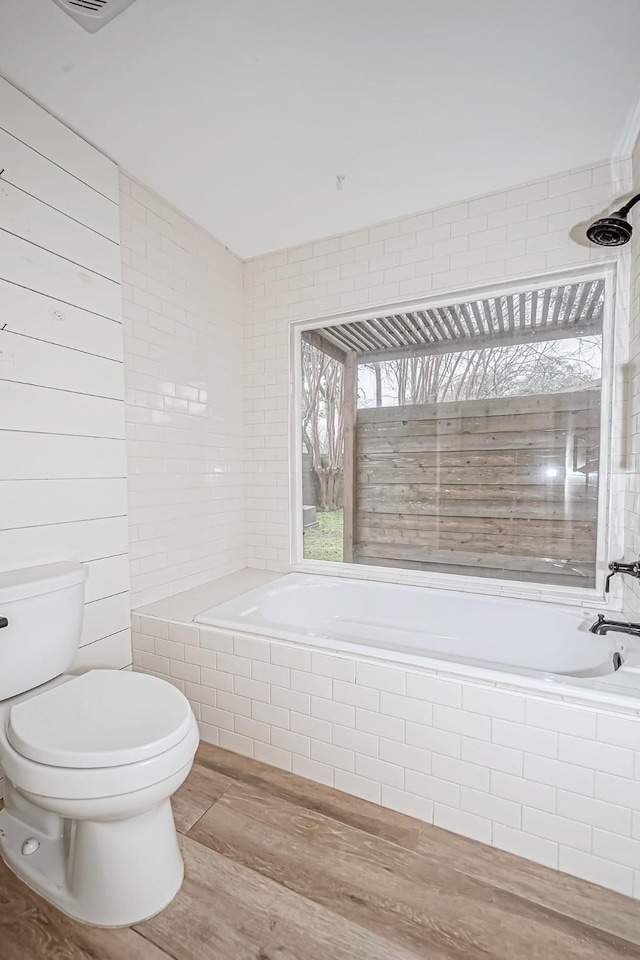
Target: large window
(462, 439)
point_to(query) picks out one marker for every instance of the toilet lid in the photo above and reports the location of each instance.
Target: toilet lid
(103, 718)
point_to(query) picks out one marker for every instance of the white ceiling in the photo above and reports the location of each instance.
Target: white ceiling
(242, 112)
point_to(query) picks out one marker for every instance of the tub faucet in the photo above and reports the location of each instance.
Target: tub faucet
(633, 569)
(602, 626)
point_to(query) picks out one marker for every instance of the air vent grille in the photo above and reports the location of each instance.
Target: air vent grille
(94, 5)
(93, 14)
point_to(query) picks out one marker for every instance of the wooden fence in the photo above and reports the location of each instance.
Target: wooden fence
(503, 488)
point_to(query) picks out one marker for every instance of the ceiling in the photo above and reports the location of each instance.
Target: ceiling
(243, 112)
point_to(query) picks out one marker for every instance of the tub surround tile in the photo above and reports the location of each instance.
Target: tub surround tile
(520, 736)
(381, 678)
(596, 870)
(189, 603)
(537, 795)
(535, 777)
(527, 845)
(459, 821)
(433, 691)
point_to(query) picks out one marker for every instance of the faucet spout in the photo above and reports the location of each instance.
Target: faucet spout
(603, 626)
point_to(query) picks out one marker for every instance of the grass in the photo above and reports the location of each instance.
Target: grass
(325, 543)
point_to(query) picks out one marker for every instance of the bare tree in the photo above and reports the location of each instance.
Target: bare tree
(322, 428)
(529, 368)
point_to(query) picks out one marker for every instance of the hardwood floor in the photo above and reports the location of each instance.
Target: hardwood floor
(280, 868)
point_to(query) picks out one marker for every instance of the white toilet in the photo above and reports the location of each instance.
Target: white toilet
(90, 762)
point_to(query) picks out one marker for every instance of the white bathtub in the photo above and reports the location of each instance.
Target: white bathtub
(540, 641)
(502, 720)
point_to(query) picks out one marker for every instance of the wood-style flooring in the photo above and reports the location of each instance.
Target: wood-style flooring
(280, 868)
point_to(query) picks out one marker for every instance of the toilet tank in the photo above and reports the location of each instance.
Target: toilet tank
(40, 624)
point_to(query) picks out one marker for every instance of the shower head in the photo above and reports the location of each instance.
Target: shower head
(614, 230)
(611, 231)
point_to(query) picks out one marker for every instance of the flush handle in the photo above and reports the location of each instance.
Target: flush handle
(3, 622)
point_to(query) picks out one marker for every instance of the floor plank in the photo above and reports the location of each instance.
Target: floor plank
(576, 898)
(228, 912)
(583, 901)
(422, 905)
(202, 787)
(280, 868)
(379, 821)
(31, 929)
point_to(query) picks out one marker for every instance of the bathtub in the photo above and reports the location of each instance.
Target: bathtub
(500, 719)
(465, 634)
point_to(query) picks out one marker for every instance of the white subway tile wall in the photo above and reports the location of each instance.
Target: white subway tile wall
(547, 780)
(631, 513)
(182, 306)
(62, 430)
(517, 232)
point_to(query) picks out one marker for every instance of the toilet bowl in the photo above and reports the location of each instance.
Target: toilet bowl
(90, 765)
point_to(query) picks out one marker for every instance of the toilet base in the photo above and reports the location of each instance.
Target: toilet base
(109, 873)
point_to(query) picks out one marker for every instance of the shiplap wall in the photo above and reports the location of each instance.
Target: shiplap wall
(62, 449)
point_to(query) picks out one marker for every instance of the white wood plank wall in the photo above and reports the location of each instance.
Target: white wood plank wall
(63, 488)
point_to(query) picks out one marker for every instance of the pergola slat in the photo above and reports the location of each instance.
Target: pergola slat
(498, 305)
(557, 306)
(545, 306)
(581, 303)
(440, 311)
(595, 306)
(568, 307)
(551, 312)
(488, 317)
(436, 333)
(468, 319)
(424, 334)
(454, 322)
(479, 315)
(444, 334)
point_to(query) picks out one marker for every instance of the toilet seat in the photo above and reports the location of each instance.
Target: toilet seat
(139, 730)
(104, 718)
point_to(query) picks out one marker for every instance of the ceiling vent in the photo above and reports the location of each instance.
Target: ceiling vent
(93, 14)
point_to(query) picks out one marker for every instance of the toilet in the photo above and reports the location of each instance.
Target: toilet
(90, 761)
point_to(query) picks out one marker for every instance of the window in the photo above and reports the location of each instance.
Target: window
(462, 439)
